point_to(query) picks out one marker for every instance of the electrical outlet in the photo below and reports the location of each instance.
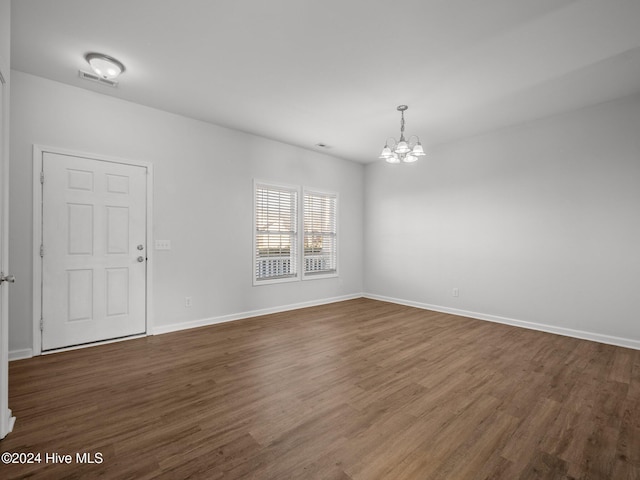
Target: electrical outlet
(188, 302)
(455, 292)
(163, 244)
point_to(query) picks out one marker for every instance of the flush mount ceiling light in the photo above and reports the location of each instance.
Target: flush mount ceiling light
(105, 66)
(402, 150)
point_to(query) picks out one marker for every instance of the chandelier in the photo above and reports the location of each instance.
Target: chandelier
(402, 150)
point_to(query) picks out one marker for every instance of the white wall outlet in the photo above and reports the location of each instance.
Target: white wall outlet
(188, 302)
(455, 292)
(163, 244)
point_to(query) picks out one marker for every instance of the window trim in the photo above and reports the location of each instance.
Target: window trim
(296, 276)
(317, 276)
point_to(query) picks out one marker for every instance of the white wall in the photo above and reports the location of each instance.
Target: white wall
(536, 223)
(203, 194)
(5, 30)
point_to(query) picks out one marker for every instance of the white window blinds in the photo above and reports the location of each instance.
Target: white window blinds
(320, 233)
(276, 219)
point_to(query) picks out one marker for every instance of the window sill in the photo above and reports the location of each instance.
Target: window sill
(270, 281)
(319, 276)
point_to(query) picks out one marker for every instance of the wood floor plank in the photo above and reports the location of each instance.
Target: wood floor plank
(470, 457)
(543, 466)
(360, 389)
(531, 431)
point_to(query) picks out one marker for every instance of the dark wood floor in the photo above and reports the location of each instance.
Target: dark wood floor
(354, 390)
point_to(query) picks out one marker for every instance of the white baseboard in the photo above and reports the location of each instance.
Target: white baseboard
(20, 354)
(595, 337)
(567, 332)
(160, 329)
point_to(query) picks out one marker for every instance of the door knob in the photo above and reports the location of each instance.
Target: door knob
(140, 247)
(7, 278)
(141, 259)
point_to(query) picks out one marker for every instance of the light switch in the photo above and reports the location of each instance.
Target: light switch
(163, 244)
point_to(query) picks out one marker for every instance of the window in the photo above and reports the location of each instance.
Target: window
(276, 233)
(320, 234)
(278, 246)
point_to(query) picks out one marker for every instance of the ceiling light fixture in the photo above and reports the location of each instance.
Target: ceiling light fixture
(402, 150)
(105, 66)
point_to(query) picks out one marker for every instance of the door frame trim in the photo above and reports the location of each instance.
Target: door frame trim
(38, 152)
(7, 419)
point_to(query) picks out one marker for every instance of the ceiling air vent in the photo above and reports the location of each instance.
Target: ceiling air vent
(95, 78)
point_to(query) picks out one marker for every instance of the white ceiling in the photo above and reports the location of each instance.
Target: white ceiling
(333, 71)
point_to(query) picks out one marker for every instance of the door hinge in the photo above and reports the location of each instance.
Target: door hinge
(41, 250)
(41, 324)
(42, 178)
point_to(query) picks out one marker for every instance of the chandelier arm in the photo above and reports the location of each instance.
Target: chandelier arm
(393, 142)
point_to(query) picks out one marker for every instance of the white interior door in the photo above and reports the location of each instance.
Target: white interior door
(94, 250)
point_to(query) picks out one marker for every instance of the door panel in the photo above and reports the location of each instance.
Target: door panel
(94, 218)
